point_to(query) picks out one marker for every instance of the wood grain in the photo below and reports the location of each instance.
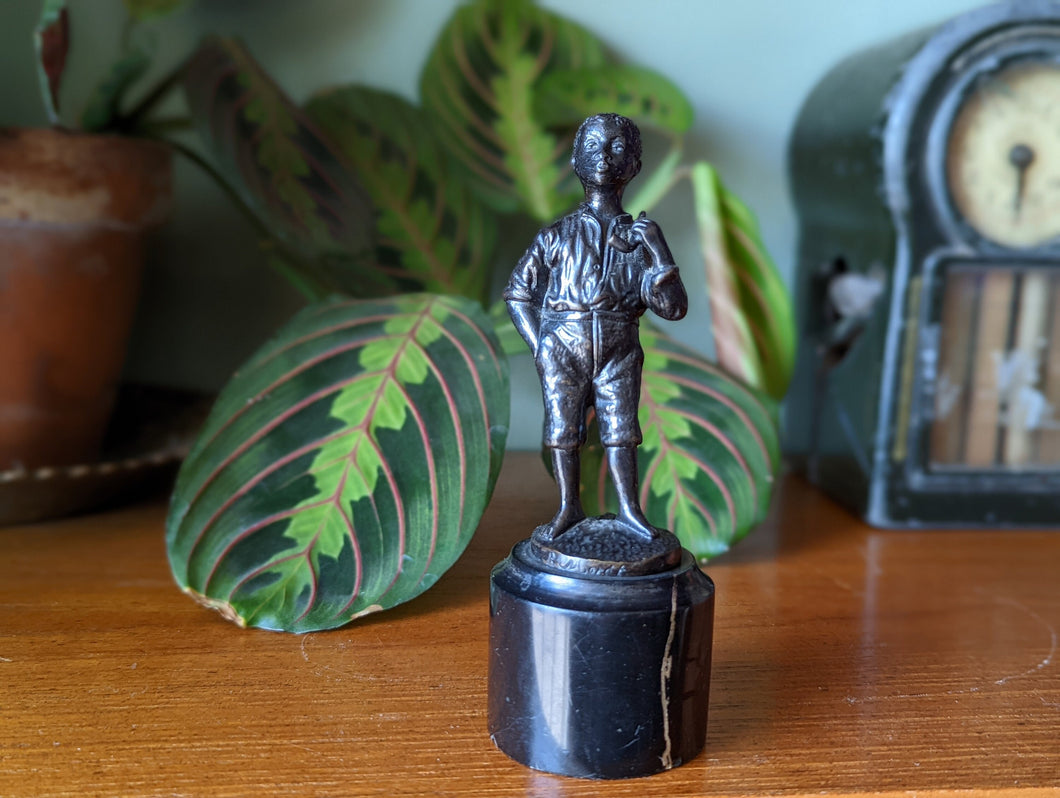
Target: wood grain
(847, 661)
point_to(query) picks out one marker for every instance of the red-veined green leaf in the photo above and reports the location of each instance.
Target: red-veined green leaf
(51, 40)
(710, 451)
(567, 96)
(290, 177)
(431, 233)
(345, 466)
(751, 313)
(478, 87)
(733, 342)
(764, 297)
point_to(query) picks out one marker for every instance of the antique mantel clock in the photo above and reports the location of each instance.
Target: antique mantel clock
(926, 175)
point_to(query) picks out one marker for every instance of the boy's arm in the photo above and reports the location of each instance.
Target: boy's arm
(525, 293)
(527, 320)
(661, 286)
(665, 293)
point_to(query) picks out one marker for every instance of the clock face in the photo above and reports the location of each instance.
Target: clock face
(1003, 156)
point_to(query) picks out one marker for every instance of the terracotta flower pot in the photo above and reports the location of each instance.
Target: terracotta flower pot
(73, 212)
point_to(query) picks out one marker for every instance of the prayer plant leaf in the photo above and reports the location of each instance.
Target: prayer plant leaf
(478, 88)
(567, 96)
(289, 176)
(751, 314)
(431, 233)
(51, 40)
(710, 452)
(345, 467)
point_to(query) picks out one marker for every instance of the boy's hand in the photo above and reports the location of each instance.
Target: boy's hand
(647, 232)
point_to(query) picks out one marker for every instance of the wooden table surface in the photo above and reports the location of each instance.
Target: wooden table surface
(847, 660)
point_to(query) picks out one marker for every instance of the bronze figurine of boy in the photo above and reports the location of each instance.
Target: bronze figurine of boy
(576, 298)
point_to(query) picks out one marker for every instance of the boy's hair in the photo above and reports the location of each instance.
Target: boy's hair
(627, 126)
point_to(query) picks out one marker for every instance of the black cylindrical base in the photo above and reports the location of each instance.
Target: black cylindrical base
(599, 677)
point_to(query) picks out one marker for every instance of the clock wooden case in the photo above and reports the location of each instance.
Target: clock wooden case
(926, 176)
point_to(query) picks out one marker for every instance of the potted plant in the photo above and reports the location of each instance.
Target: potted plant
(75, 205)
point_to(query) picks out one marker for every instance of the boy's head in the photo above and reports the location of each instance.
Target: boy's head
(606, 150)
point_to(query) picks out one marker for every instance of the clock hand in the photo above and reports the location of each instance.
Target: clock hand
(1020, 156)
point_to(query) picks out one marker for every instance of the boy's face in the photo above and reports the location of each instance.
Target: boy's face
(603, 157)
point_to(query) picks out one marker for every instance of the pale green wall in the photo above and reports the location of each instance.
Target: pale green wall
(746, 66)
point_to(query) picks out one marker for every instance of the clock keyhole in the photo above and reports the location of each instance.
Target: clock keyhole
(1020, 156)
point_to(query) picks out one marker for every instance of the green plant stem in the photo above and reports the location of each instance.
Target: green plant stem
(660, 181)
(278, 262)
(313, 289)
(133, 120)
(159, 128)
